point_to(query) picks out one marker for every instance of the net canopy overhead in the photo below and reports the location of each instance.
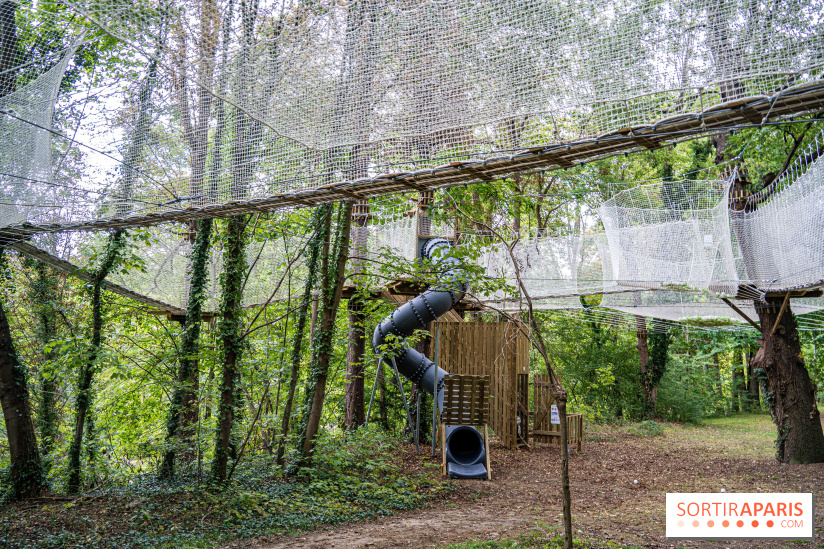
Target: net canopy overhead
(554, 270)
(220, 103)
(276, 269)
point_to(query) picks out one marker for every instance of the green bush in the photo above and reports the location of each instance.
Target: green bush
(685, 394)
(646, 428)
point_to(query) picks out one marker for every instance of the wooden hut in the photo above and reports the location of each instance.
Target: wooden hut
(496, 349)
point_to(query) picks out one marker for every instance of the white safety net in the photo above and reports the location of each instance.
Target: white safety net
(671, 235)
(779, 230)
(276, 269)
(215, 102)
(27, 188)
(554, 271)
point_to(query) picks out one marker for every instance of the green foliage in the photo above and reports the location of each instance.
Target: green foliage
(598, 363)
(360, 478)
(686, 392)
(646, 428)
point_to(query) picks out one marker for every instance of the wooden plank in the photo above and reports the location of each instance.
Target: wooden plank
(486, 444)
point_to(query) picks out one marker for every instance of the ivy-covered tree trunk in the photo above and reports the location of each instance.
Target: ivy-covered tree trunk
(320, 224)
(658, 343)
(26, 475)
(332, 279)
(642, 344)
(355, 387)
(183, 411)
(43, 295)
(87, 369)
(790, 392)
(231, 326)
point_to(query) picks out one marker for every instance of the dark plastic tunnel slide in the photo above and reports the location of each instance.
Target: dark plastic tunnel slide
(464, 445)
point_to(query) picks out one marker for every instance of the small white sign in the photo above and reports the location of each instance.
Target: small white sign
(554, 418)
(708, 240)
(740, 516)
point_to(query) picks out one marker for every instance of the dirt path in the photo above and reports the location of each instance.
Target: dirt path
(607, 503)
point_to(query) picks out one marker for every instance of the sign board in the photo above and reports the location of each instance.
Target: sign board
(555, 419)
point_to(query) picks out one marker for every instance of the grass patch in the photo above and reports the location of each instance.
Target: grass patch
(646, 428)
(738, 435)
(749, 436)
(616, 431)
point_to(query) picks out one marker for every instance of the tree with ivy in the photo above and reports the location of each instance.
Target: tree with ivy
(109, 260)
(332, 277)
(26, 477)
(655, 367)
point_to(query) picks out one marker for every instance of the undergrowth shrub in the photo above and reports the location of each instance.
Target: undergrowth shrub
(685, 393)
(646, 428)
(355, 477)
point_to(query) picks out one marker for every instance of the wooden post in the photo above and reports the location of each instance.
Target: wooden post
(443, 447)
(486, 445)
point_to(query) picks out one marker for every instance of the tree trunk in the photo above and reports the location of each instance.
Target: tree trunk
(643, 360)
(355, 413)
(231, 322)
(333, 276)
(754, 398)
(355, 367)
(790, 391)
(320, 236)
(43, 296)
(8, 47)
(739, 389)
(84, 385)
(184, 412)
(26, 475)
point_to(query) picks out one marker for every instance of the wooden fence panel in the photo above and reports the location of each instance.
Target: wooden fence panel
(492, 349)
(543, 430)
(465, 400)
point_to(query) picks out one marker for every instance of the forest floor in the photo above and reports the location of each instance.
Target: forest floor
(521, 507)
(394, 497)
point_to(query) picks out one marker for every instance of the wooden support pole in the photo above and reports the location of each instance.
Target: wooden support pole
(740, 312)
(780, 313)
(486, 443)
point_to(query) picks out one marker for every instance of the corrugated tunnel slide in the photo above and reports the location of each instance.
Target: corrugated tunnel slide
(464, 445)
